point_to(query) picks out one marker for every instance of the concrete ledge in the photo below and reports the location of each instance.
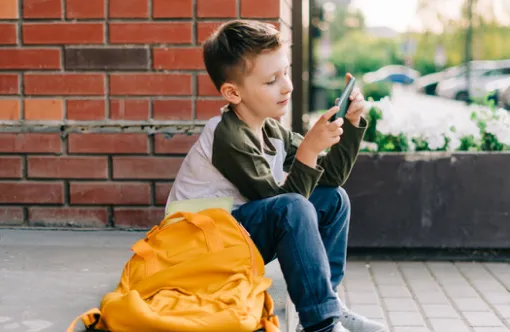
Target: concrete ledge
(430, 200)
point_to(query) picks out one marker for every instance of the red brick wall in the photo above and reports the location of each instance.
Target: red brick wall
(82, 84)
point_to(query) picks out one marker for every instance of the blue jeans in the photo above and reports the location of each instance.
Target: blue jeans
(309, 238)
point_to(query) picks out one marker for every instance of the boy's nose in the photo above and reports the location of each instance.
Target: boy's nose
(287, 87)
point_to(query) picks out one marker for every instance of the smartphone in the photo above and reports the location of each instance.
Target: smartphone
(344, 101)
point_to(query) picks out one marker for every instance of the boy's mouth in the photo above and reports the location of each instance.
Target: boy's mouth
(283, 102)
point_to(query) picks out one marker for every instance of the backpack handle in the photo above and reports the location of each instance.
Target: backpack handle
(207, 225)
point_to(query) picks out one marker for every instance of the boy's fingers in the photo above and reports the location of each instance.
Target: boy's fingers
(355, 93)
(326, 116)
(348, 77)
(336, 101)
(339, 122)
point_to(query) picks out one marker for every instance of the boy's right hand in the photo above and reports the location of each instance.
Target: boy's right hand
(324, 134)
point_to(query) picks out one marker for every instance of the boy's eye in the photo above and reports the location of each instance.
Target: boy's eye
(272, 81)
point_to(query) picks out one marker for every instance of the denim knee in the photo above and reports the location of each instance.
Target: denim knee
(343, 198)
(299, 211)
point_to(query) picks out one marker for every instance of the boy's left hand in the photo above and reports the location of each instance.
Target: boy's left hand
(356, 108)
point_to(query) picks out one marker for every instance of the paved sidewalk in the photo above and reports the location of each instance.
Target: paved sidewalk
(47, 278)
(431, 296)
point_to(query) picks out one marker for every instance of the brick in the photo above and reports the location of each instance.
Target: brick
(44, 109)
(146, 167)
(179, 143)
(63, 33)
(172, 9)
(32, 192)
(206, 109)
(172, 109)
(129, 109)
(10, 167)
(8, 34)
(9, 109)
(8, 9)
(42, 9)
(178, 58)
(206, 86)
(150, 33)
(68, 216)
(64, 167)
(79, 9)
(113, 193)
(260, 9)
(205, 29)
(65, 84)
(86, 110)
(30, 143)
(162, 191)
(106, 58)
(150, 84)
(129, 8)
(137, 217)
(10, 216)
(9, 84)
(108, 143)
(216, 8)
(30, 58)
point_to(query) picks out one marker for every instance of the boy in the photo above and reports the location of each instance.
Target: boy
(286, 192)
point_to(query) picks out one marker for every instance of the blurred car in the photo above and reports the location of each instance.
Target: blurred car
(503, 98)
(392, 73)
(427, 84)
(481, 74)
(494, 89)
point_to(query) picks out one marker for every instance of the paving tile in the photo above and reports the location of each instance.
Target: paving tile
(460, 291)
(362, 298)
(497, 298)
(448, 325)
(400, 304)
(439, 311)
(390, 291)
(491, 329)
(401, 318)
(483, 319)
(368, 310)
(410, 329)
(471, 304)
(432, 298)
(503, 310)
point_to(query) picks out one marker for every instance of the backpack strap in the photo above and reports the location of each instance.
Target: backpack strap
(205, 223)
(91, 319)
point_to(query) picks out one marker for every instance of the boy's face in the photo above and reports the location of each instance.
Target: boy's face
(266, 88)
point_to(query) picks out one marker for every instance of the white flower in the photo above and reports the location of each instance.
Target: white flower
(369, 146)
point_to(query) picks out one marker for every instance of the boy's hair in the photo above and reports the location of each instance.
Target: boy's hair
(227, 50)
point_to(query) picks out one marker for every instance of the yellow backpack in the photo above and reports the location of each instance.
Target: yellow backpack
(200, 273)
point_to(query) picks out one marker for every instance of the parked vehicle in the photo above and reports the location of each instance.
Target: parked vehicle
(456, 87)
(503, 97)
(428, 83)
(392, 73)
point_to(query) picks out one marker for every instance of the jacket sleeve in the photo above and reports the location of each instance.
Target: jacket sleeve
(339, 161)
(239, 158)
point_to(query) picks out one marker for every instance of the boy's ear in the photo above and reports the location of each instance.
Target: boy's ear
(231, 93)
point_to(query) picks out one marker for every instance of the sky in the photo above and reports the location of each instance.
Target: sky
(400, 15)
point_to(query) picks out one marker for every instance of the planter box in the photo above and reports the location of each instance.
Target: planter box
(430, 200)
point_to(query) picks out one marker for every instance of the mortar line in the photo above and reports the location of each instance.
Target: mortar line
(419, 305)
(482, 296)
(379, 296)
(449, 298)
(498, 279)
